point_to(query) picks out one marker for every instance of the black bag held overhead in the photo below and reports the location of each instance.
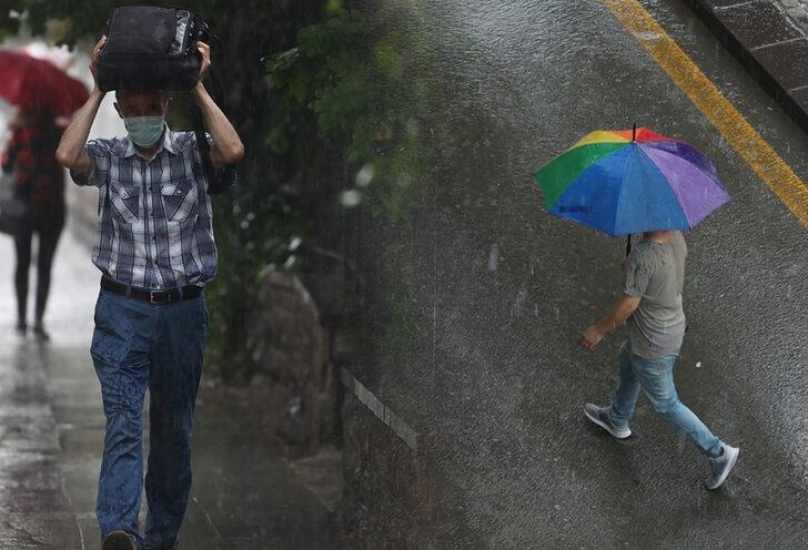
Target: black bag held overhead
(151, 48)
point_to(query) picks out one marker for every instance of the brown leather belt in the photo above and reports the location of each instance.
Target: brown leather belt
(163, 296)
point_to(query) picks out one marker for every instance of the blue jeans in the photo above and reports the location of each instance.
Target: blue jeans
(655, 377)
(138, 346)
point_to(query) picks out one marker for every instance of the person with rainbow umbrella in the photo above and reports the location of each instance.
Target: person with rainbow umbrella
(624, 183)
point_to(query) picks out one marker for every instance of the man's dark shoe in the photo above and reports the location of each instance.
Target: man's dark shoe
(119, 540)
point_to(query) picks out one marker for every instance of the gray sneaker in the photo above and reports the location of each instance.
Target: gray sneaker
(601, 417)
(722, 466)
(119, 540)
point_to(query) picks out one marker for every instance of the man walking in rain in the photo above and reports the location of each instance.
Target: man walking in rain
(651, 305)
(155, 250)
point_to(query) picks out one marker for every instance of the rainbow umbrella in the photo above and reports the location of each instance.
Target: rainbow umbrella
(632, 181)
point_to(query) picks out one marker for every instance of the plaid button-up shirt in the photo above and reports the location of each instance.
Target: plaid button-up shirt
(156, 226)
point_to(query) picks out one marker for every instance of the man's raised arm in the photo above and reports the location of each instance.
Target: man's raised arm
(71, 153)
(227, 147)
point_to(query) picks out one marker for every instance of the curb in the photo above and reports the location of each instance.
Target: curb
(766, 44)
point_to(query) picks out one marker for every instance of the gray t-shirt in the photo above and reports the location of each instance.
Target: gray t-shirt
(655, 273)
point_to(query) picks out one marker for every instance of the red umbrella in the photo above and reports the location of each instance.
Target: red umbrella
(29, 82)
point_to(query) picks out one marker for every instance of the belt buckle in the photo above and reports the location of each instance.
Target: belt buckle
(154, 297)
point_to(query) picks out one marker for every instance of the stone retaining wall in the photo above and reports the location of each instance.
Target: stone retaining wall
(393, 498)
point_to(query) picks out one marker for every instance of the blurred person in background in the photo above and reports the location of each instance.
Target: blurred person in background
(39, 183)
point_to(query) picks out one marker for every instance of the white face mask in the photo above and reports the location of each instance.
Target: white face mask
(144, 131)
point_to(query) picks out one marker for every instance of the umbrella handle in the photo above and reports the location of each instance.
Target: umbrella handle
(628, 245)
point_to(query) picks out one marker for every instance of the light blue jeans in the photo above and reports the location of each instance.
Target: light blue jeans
(139, 346)
(655, 377)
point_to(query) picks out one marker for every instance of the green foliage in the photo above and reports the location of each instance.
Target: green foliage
(349, 72)
(323, 74)
(10, 18)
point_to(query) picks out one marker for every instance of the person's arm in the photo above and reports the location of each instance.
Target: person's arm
(71, 152)
(619, 314)
(227, 147)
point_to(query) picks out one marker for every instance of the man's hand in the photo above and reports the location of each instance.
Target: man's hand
(591, 338)
(624, 309)
(94, 59)
(204, 53)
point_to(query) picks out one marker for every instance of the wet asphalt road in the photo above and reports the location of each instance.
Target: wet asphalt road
(245, 495)
(490, 293)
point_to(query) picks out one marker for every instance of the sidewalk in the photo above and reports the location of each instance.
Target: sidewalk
(245, 496)
(770, 39)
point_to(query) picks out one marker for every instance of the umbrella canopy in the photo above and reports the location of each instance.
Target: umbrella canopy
(35, 83)
(632, 181)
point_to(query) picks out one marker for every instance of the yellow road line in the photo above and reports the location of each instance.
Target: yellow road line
(716, 108)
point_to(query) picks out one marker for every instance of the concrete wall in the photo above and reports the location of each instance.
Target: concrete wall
(454, 297)
(467, 309)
